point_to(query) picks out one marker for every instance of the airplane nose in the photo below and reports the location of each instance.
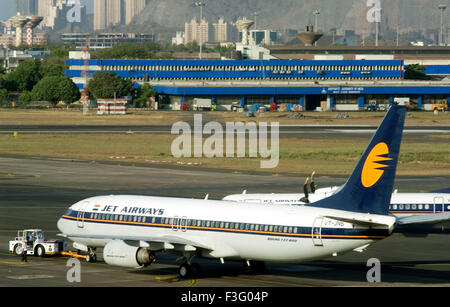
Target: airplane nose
(60, 225)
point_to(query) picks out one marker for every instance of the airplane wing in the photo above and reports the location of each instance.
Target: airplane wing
(424, 219)
(160, 242)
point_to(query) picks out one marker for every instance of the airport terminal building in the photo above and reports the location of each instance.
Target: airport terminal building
(341, 85)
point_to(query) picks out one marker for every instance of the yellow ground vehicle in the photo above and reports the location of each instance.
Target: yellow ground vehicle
(440, 106)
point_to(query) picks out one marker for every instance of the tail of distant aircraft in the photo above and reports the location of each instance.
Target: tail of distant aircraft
(369, 188)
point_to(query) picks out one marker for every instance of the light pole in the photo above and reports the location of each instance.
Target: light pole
(398, 26)
(442, 7)
(201, 5)
(377, 24)
(253, 38)
(256, 14)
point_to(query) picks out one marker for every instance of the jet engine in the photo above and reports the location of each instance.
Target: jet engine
(119, 253)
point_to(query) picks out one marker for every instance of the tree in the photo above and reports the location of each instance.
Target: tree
(25, 77)
(53, 66)
(4, 96)
(55, 89)
(109, 85)
(144, 93)
(2, 67)
(417, 72)
(26, 96)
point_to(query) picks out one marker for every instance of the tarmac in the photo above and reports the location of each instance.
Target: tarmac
(36, 191)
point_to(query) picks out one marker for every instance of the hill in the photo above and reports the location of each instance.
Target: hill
(412, 15)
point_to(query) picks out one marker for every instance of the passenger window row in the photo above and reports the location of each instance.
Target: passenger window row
(193, 223)
(410, 207)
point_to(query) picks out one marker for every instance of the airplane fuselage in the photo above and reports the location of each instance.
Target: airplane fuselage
(401, 203)
(220, 229)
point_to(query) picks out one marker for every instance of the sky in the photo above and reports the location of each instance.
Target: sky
(7, 8)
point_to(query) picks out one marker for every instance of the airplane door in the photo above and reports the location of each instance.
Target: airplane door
(179, 223)
(175, 223)
(317, 232)
(80, 215)
(184, 223)
(439, 204)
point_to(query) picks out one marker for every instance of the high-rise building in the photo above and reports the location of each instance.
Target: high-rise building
(133, 8)
(48, 9)
(26, 7)
(107, 13)
(193, 30)
(190, 31)
(224, 31)
(44, 8)
(55, 13)
(99, 14)
(113, 12)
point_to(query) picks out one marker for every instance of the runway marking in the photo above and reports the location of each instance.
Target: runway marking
(268, 282)
(433, 264)
(13, 262)
(25, 277)
(172, 279)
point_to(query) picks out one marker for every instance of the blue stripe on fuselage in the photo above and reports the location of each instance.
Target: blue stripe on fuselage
(226, 226)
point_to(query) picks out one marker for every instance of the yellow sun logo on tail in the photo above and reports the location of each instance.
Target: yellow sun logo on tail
(372, 170)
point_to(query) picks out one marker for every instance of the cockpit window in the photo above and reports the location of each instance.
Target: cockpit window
(68, 212)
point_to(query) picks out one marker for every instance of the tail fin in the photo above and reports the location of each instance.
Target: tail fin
(369, 188)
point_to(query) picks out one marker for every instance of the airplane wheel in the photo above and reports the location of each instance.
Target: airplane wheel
(185, 270)
(91, 257)
(40, 251)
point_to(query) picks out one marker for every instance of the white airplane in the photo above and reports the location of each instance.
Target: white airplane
(411, 209)
(132, 229)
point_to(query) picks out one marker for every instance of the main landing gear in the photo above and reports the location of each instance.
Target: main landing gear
(187, 270)
(91, 256)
